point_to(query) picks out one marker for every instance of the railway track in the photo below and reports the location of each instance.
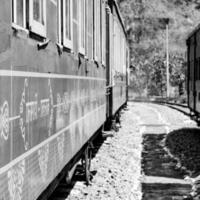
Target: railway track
(180, 107)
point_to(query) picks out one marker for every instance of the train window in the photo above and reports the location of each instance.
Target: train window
(82, 26)
(103, 34)
(117, 43)
(114, 44)
(38, 17)
(19, 12)
(67, 23)
(89, 29)
(59, 21)
(86, 27)
(97, 53)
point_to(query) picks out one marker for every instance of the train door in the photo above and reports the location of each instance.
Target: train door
(194, 75)
(188, 71)
(109, 61)
(191, 93)
(197, 73)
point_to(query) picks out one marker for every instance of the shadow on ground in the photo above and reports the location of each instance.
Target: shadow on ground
(64, 190)
(184, 144)
(163, 174)
(156, 160)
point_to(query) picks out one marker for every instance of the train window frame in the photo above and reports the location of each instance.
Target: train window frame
(14, 15)
(86, 28)
(67, 42)
(59, 27)
(117, 49)
(34, 25)
(82, 26)
(103, 33)
(97, 30)
(89, 27)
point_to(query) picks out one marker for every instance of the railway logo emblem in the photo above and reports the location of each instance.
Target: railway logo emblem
(31, 111)
(4, 121)
(16, 181)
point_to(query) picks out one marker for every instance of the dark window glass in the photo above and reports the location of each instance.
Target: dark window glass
(38, 14)
(68, 19)
(82, 23)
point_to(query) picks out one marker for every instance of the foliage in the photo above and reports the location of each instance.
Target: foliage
(145, 22)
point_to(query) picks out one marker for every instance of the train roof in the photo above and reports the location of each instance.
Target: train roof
(114, 2)
(197, 28)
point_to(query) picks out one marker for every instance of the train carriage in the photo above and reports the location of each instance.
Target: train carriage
(193, 71)
(55, 56)
(118, 57)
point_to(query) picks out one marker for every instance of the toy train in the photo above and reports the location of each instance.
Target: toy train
(63, 75)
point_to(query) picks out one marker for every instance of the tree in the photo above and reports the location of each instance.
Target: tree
(145, 25)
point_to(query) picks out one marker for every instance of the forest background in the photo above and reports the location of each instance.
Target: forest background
(145, 23)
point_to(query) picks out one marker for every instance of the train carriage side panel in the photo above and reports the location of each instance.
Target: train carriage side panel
(119, 67)
(50, 94)
(197, 72)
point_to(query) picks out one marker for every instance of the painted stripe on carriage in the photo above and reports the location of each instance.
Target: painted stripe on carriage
(46, 75)
(28, 153)
(80, 99)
